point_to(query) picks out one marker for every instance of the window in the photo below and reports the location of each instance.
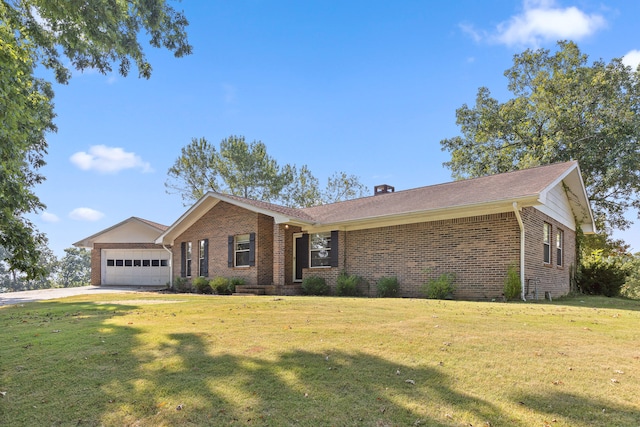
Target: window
(188, 259)
(137, 263)
(559, 242)
(164, 263)
(146, 263)
(546, 243)
(111, 263)
(203, 255)
(320, 250)
(241, 250)
(155, 262)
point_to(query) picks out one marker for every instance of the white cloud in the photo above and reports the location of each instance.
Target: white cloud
(542, 21)
(49, 217)
(108, 160)
(632, 59)
(85, 214)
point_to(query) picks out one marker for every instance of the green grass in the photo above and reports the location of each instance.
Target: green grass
(318, 361)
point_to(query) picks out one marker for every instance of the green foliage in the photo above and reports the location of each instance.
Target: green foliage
(93, 35)
(562, 109)
(441, 287)
(238, 168)
(235, 281)
(75, 268)
(348, 285)
(341, 187)
(602, 275)
(201, 285)
(12, 280)
(221, 285)
(246, 170)
(512, 285)
(315, 285)
(181, 284)
(631, 287)
(388, 287)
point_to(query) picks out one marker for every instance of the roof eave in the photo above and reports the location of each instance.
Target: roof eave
(484, 208)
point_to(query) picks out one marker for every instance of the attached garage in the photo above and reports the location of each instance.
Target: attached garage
(138, 267)
(126, 255)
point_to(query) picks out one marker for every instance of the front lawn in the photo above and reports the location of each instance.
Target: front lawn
(176, 360)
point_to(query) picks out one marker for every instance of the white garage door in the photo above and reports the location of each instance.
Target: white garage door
(139, 267)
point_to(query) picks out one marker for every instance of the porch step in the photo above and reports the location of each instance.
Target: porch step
(268, 290)
(249, 290)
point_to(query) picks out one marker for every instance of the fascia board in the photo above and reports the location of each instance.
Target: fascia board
(486, 208)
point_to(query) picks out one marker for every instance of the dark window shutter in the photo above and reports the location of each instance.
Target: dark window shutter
(334, 248)
(205, 266)
(252, 249)
(230, 252)
(183, 259)
(303, 258)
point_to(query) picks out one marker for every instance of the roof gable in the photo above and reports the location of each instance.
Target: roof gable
(131, 230)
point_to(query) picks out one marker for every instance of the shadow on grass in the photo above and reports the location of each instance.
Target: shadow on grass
(71, 364)
(577, 410)
(297, 388)
(592, 301)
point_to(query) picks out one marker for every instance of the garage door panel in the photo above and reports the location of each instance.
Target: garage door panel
(139, 267)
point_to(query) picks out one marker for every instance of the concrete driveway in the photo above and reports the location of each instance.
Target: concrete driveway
(10, 298)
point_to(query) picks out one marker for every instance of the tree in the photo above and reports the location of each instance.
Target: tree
(194, 172)
(74, 268)
(341, 186)
(303, 191)
(238, 168)
(562, 109)
(90, 34)
(12, 279)
(246, 170)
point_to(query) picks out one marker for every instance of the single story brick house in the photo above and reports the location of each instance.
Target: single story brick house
(475, 228)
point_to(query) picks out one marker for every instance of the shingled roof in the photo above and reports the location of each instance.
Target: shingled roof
(523, 185)
(478, 196)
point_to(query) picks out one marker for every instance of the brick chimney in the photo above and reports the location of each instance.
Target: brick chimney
(383, 189)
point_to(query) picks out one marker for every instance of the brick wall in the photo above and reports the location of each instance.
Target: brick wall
(477, 249)
(96, 256)
(217, 224)
(551, 277)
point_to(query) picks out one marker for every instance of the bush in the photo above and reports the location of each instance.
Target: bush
(314, 285)
(388, 287)
(512, 285)
(202, 285)
(347, 285)
(441, 287)
(235, 281)
(180, 284)
(602, 275)
(221, 285)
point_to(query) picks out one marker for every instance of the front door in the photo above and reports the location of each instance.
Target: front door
(299, 251)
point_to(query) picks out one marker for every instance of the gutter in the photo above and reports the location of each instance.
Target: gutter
(521, 224)
(170, 265)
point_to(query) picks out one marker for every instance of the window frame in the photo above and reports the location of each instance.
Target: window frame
(326, 247)
(559, 248)
(546, 243)
(188, 255)
(246, 240)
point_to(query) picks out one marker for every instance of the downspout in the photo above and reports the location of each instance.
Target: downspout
(170, 265)
(521, 224)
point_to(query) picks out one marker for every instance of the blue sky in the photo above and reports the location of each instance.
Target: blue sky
(366, 87)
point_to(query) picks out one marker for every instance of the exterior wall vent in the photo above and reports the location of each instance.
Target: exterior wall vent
(382, 189)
